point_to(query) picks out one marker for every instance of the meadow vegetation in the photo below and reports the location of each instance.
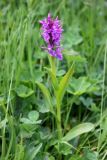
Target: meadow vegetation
(51, 109)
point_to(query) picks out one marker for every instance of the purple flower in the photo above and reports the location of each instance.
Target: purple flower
(51, 33)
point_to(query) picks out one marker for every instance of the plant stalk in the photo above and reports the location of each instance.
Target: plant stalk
(58, 105)
(59, 128)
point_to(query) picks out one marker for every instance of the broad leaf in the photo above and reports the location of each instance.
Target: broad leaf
(32, 118)
(78, 130)
(38, 75)
(33, 115)
(73, 36)
(26, 121)
(23, 91)
(81, 85)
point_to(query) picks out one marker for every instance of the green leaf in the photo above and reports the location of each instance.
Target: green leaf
(73, 36)
(64, 148)
(38, 75)
(90, 155)
(60, 73)
(33, 151)
(33, 115)
(43, 108)
(26, 121)
(83, 85)
(26, 77)
(23, 91)
(94, 108)
(46, 94)
(86, 101)
(70, 52)
(80, 86)
(27, 130)
(64, 83)
(53, 78)
(78, 130)
(74, 56)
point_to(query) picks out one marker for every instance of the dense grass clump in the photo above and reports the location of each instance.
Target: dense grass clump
(51, 109)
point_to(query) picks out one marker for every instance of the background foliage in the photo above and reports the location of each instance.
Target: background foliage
(27, 128)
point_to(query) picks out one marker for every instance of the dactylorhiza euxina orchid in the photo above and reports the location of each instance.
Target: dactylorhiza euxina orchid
(51, 33)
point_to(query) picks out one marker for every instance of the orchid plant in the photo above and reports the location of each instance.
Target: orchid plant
(51, 33)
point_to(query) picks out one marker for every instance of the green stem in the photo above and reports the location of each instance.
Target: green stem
(52, 64)
(59, 128)
(58, 105)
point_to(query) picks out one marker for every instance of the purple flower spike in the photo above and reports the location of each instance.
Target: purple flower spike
(51, 33)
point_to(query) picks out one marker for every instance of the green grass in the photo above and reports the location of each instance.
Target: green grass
(28, 127)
